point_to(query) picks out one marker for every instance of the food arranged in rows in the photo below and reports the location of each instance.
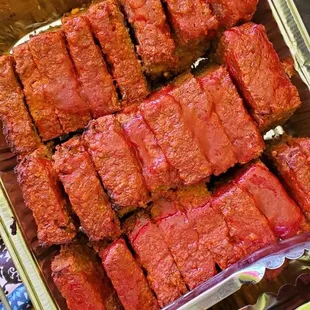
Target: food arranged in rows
(102, 154)
(179, 242)
(179, 136)
(88, 68)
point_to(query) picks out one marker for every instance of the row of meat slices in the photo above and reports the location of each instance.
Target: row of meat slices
(188, 233)
(65, 75)
(180, 135)
(60, 103)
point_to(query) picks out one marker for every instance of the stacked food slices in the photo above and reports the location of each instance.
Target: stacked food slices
(117, 170)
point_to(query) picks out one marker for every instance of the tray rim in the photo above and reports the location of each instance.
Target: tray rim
(297, 40)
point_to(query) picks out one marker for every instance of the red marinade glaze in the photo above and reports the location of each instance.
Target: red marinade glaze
(59, 79)
(192, 21)
(96, 82)
(127, 277)
(231, 12)
(154, 256)
(44, 197)
(209, 224)
(256, 68)
(42, 112)
(294, 169)
(87, 197)
(214, 234)
(116, 163)
(159, 175)
(248, 228)
(17, 124)
(304, 144)
(192, 256)
(155, 44)
(163, 115)
(283, 215)
(81, 280)
(242, 131)
(108, 24)
(199, 115)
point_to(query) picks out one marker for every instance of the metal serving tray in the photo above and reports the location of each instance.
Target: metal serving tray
(18, 230)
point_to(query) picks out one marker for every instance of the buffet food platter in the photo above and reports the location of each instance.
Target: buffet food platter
(147, 212)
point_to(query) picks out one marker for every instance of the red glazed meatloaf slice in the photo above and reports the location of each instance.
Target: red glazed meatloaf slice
(17, 124)
(127, 277)
(283, 215)
(192, 21)
(158, 173)
(88, 199)
(164, 117)
(154, 256)
(231, 12)
(116, 162)
(293, 167)
(43, 195)
(155, 44)
(240, 128)
(248, 227)
(256, 68)
(199, 115)
(60, 82)
(81, 280)
(108, 24)
(192, 256)
(209, 224)
(97, 85)
(42, 111)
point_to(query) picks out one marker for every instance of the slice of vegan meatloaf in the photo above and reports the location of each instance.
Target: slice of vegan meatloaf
(154, 256)
(164, 117)
(158, 173)
(127, 277)
(108, 24)
(60, 82)
(247, 226)
(209, 224)
(192, 256)
(117, 164)
(240, 128)
(231, 12)
(82, 281)
(199, 115)
(88, 199)
(256, 68)
(283, 215)
(44, 197)
(155, 44)
(192, 21)
(17, 124)
(42, 111)
(294, 169)
(96, 82)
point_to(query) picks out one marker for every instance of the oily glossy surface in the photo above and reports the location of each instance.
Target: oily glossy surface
(60, 82)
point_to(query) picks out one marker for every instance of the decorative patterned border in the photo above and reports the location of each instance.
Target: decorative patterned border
(24, 261)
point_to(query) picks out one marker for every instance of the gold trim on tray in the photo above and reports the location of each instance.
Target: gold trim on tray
(23, 260)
